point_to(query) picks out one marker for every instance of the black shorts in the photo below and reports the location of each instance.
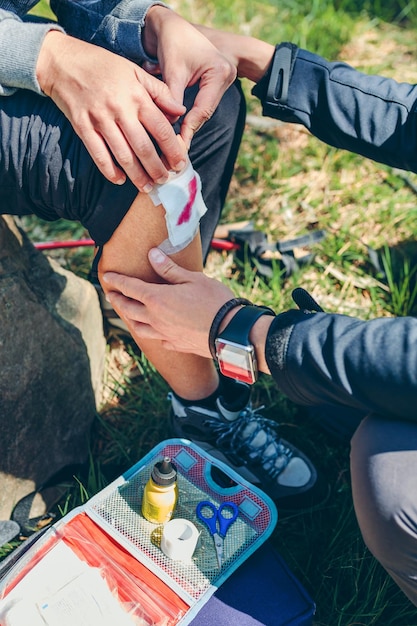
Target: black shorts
(45, 169)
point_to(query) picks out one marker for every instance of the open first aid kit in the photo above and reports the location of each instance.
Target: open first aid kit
(105, 563)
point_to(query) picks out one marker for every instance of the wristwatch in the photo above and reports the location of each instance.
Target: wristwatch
(235, 354)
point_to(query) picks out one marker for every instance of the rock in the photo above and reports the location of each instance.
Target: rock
(52, 356)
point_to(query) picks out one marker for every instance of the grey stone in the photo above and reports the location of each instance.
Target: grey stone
(8, 531)
(52, 356)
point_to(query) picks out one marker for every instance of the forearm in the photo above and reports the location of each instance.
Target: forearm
(369, 115)
(369, 365)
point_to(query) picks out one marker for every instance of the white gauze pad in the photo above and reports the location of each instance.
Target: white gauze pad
(184, 207)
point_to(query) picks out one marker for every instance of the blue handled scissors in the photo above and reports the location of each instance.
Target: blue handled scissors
(217, 523)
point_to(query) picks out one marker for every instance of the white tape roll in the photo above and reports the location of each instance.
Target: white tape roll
(179, 539)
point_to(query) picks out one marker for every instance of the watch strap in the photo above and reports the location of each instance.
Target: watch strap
(239, 327)
(219, 317)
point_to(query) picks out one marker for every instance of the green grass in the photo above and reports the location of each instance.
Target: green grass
(289, 183)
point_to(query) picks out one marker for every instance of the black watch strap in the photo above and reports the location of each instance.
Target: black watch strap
(239, 327)
(219, 317)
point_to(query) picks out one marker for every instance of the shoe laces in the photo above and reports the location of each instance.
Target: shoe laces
(254, 436)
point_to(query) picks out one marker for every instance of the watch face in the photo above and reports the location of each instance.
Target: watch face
(236, 361)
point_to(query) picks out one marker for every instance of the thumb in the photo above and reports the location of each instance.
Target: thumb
(166, 268)
(176, 79)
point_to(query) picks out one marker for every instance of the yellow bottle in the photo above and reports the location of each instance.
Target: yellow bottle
(161, 493)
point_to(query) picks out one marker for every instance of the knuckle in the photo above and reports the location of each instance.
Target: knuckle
(226, 71)
(164, 131)
(166, 269)
(81, 124)
(152, 302)
(124, 158)
(205, 115)
(144, 149)
(100, 159)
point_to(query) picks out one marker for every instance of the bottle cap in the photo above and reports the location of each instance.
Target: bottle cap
(164, 473)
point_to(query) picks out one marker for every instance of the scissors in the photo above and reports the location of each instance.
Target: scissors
(217, 523)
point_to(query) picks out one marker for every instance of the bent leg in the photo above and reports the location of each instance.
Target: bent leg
(213, 152)
(384, 485)
(143, 227)
(46, 170)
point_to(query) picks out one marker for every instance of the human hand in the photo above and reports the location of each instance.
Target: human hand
(115, 107)
(187, 57)
(179, 313)
(249, 55)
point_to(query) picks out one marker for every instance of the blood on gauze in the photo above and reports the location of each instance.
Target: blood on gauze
(184, 206)
(187, 210)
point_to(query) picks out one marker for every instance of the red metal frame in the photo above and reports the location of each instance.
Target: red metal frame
(216, 244)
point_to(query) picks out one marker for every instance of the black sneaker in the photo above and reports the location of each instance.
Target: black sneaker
(249, 443)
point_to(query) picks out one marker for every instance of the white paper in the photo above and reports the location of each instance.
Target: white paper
(62, 590)
(85, 601)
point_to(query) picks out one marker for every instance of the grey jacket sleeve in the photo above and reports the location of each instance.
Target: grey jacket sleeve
(319, 358)
(20, 43)
(367, 114)
(116, 26)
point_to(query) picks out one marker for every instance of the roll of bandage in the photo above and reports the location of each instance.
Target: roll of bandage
(179, 539)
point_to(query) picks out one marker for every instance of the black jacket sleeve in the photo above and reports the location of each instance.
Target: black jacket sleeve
(369, 115)
(320, 358)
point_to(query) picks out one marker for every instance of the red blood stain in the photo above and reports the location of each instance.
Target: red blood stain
(186, 212)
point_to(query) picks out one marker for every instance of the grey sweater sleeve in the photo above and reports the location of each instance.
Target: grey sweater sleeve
(20, 43)
(114, 25)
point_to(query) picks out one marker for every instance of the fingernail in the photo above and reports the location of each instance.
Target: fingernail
(148, 187)
(162, 180)
(156, 255)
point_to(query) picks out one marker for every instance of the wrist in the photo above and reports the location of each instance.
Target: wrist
(237, 339)
(51, 45)
(258, 336)
(218, 324)
(155, 16)
(249, 55)
(228, 318)
(272, 88)
(254, 58)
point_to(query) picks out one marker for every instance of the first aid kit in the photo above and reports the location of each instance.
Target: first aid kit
(105, 563)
